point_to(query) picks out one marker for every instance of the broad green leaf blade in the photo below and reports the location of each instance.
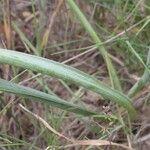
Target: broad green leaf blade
(51, 99)
(112, 72)
(66, 73)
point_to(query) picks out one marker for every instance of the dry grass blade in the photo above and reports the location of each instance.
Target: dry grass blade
(44, 122)
(51, 23)
(7, 22)
(99, 143)
(73, 141)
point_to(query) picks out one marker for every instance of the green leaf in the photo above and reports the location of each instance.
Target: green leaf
(66, 73)
(37, 95)
(55, 101)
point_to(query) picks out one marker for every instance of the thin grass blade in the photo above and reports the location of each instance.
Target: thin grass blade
(143, 80)
(112, 72)
(136, 54)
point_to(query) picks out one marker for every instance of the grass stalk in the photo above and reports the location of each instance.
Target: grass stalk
(112, 72)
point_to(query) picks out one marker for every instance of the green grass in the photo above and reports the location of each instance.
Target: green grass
(118, 30)
(112, 73)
